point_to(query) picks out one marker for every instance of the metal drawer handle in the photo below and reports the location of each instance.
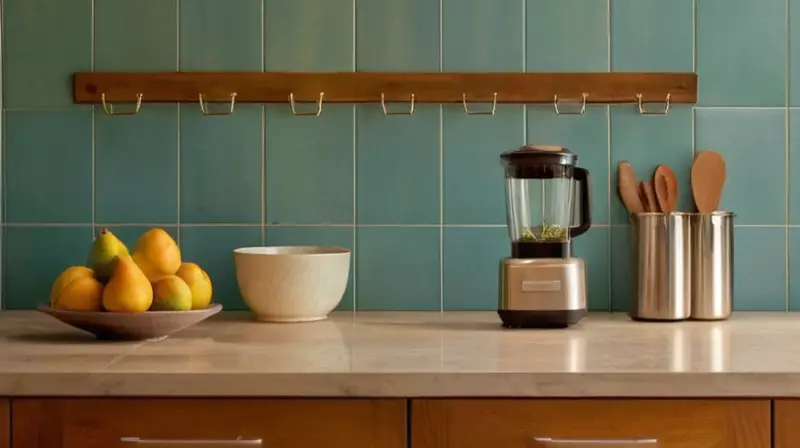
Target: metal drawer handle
(177, 443)
(589, 443)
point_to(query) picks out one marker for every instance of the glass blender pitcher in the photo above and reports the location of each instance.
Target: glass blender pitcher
(548, 203)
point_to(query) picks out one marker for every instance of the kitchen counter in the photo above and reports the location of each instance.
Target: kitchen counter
(388, 354)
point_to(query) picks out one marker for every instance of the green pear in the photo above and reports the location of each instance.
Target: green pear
(105, 249)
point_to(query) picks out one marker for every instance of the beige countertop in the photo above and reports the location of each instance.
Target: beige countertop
(410, 354)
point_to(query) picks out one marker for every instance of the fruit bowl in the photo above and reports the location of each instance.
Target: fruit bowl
(151, 325)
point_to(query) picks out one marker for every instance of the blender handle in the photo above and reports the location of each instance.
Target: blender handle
(585, 179)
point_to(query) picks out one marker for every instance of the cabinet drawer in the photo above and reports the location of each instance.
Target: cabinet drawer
(5, 422)
(157, 423)
(787, 432)
(510, 423)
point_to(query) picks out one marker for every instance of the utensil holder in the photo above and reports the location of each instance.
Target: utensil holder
(660, 266)
(712, 265)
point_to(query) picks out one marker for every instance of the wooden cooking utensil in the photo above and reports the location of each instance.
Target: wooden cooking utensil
(649, 196)
(665, 184)
(708, 179)
(629, 188)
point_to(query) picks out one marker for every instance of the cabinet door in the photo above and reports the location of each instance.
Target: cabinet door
(231, 423)
(522, 423)
(787, 416)
(5, 423)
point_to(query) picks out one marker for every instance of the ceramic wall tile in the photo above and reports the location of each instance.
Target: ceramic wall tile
(794, 53)
(759, 258)
(647, 141)
(48, 174)
(397, 35)
(44, 43)
(212, 249)
(309, 35)
(470, 276)
(737, 65)
(652, 35)
(342, 236)
(221, 166)
(136, 36)
(136, 166)
(753, 144)
(620, 268)
(398, 177)
(794, 269)
(398, 268)
(220, 35)
(567, 36)
(27, 280)
(473, 178)
(309, 166)
(587, 136)
(794, 166)
(483, 36)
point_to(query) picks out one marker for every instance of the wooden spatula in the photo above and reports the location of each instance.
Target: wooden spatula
(708, 179)
(665, 184)
(649, 197)
(629, 188)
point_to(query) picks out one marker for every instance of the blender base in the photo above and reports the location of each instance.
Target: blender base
(540, 319)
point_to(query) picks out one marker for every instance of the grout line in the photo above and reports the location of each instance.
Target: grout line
(93, 130)
(326, 225)
(441, 164)
(787, 157)
(178, 117)
(3, 130)
(263, 133)
(694, 37)
(354, 252)
(740, 107)
(609, 258)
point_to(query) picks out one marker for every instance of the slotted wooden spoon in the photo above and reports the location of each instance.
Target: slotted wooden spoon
(666, 186)
(708, 180)
(629, 188)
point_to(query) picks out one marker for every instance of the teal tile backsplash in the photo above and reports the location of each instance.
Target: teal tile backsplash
(419, 199)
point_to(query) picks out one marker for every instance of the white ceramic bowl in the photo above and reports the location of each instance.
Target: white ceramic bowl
(292, 283)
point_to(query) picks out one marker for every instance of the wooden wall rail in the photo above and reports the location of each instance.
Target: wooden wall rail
(367, 87)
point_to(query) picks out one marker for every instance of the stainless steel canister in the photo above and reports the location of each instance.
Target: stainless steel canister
(712, 265)
(660, 266)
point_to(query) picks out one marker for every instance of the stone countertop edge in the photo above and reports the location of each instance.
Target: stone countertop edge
(409, 354)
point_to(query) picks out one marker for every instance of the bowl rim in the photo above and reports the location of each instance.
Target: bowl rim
(49, 309)
(292, 251)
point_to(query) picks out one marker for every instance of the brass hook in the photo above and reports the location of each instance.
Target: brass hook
(109, 108)
(386, 112)
(580, 111)
(488, 112)
(307, 114)
(655, 112)
(204, 107)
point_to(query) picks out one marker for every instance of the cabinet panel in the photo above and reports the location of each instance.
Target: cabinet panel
(284, 423)
(523, 423)
(5, 423)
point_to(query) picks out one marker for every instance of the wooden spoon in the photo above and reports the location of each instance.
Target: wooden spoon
(629, 188)
(649, 196)
(708, 179)
(666, 186)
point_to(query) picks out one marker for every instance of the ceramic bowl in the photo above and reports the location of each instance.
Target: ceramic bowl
(132, 326)
(292, 283)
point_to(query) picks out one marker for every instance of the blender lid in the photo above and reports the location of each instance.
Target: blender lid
(541, 154)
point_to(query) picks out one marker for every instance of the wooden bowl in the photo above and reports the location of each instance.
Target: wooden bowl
(131, 326)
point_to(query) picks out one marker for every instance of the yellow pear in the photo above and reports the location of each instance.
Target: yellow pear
(170, 293)
(157, 254)
(105, 249)
(199, 283)
(128, 291)
(77, 289)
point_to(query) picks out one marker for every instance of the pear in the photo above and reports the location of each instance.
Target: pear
(157, 254)
(105, 249)
(199, 283)
(171, 293)
(77, 289)
(128, 291)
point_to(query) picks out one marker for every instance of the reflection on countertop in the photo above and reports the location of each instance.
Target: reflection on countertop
(410, 354)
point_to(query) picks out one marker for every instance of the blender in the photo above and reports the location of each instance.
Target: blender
(548, 203)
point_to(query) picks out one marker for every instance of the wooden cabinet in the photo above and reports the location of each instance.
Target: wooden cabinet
(280, 423)
(5, 423)
(786, 418)
(523, 423)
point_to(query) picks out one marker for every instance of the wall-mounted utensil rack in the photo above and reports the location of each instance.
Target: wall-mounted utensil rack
(367, 87)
